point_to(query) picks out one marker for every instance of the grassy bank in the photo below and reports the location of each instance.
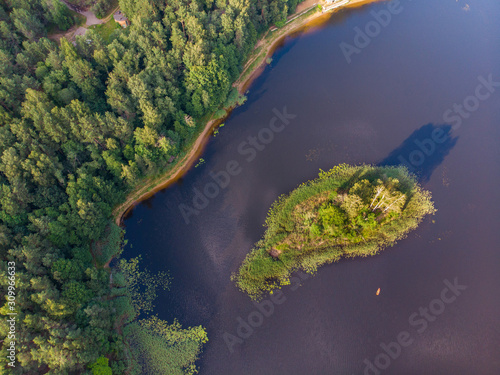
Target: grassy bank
(171, 173)
(106, 29)
(264, 48)
(346, 212)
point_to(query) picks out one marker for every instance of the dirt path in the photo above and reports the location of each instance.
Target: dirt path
(153, 185)
(89, 15)
(306, 4)
(68, 33)
(108, 17)
(90, 19)
(268, 47)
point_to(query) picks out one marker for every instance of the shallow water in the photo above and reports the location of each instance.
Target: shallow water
(391, 96)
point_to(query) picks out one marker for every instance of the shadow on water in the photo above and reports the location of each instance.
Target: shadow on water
(423, 151)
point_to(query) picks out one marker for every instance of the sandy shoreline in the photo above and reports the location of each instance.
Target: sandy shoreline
(152, 185)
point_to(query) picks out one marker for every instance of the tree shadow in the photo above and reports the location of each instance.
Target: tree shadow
(423, 151)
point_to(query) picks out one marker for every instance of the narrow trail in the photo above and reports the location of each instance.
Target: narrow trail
(151, 185)
(90, 20)
(89, 15)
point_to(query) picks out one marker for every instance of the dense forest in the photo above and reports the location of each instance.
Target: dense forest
(346, 212)
(81, 124)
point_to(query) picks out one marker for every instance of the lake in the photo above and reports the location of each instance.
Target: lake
(423, 89)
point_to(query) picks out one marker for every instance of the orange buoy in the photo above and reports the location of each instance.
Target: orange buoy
(378, 291)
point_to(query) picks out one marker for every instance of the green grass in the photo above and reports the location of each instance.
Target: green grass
(270, 38)
(157, 178)
(106, 29)
(348, 211)
(161, 348)
(250, 69)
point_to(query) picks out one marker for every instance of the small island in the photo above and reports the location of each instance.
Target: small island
(346, 212)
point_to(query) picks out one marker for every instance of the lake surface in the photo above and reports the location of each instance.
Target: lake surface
(391, 97)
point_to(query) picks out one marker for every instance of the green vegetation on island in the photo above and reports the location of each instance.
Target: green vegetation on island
(346, 212)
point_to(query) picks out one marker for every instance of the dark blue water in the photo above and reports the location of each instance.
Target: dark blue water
(381, 107)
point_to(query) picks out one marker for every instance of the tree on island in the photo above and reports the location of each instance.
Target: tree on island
(346, 212)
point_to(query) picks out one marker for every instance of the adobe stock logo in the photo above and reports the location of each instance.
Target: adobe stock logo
(419, 321)
(248, 149)
(263, 310)
(454, 116)
(483, 91)
(372, 29)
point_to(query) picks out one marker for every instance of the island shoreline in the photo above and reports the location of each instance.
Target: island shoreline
(152, 185)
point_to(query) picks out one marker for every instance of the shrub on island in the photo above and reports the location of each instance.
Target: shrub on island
(346, 212)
